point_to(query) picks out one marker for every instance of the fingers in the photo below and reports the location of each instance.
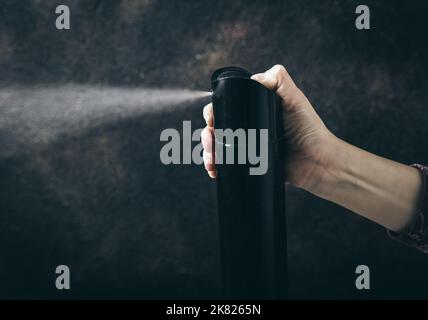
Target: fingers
(207, 137)
(209, 164)
(278, 79)
(208, 115)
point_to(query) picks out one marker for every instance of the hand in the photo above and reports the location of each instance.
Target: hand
(379, 189)
(308, 141)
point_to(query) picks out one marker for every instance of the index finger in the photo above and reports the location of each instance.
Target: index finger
(208, 115)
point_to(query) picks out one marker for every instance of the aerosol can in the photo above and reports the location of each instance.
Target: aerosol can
(251, 204)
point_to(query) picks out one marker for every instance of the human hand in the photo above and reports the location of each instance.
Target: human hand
(306, 137)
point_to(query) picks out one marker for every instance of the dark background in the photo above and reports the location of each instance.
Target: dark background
(100, 201)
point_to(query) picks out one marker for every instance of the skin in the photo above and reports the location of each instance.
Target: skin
(384, 191)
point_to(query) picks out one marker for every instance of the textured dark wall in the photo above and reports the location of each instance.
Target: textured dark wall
(100, 201)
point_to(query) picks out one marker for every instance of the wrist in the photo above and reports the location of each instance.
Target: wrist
(328, 167)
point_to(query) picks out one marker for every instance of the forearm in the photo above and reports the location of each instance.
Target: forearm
(379, 189)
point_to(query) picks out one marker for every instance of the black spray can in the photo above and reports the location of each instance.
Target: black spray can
(251, 195)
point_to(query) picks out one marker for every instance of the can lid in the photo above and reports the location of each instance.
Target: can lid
(230, 72)
(242, 103)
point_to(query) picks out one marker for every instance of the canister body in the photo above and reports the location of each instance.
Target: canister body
(251, 207)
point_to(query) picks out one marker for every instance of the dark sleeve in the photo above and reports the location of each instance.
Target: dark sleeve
(417, 234)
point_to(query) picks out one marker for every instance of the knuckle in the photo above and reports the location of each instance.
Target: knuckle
(280, 69)
(205, 134)
(205, 112)
(208, 160)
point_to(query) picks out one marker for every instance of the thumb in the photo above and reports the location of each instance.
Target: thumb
(278, 79)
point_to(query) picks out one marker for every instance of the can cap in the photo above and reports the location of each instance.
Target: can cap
(242, 103)
(230, 72)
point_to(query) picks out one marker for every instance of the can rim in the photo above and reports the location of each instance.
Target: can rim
(232, 71)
